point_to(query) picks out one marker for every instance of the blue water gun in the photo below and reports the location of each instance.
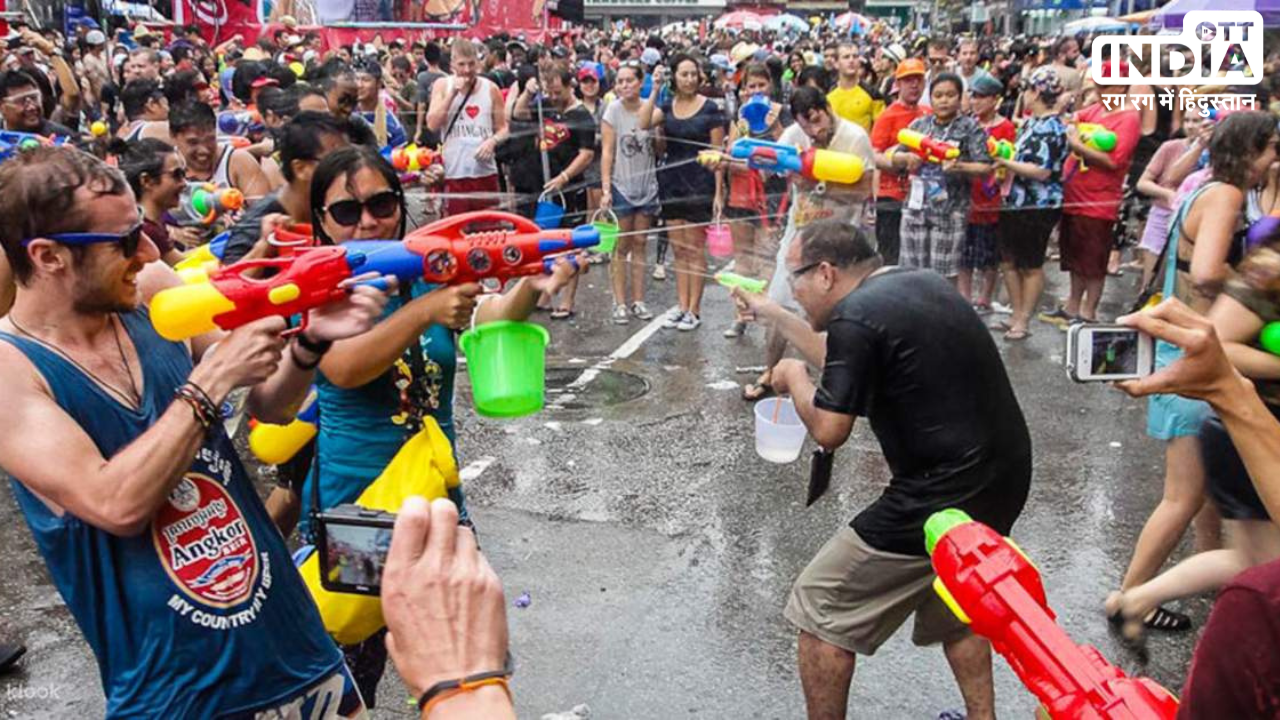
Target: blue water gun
(240, 123)
(815, 164)
(14, 141)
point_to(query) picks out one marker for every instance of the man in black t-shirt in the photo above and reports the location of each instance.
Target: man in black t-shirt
(903, 349)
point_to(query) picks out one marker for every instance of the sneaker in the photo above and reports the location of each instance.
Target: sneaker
(1058, 317)
(689, 322)
(1001, 308)
(672, 318)
(735, 330)
(659, 272)
(641, 311)
(620, 315)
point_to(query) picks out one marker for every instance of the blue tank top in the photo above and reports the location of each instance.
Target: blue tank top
(202, 614)
(362, 429)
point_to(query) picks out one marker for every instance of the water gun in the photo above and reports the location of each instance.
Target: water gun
(756, 112)
(733, 280)
(242, 123)
(203, 259)
(476, 246)
(989, 583)
(1269, 338)
(1097, 137)
(927, 148)
(813, 164)
(14, 141)
(410, 157)
(277, 444)
(1266, 228)
(229, 298)
(201, 204)
(1000, 149)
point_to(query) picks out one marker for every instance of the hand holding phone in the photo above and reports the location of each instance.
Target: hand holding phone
(1108, 353)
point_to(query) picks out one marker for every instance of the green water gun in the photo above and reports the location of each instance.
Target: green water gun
(734, 280)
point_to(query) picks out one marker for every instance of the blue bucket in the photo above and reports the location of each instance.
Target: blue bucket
(549, 214)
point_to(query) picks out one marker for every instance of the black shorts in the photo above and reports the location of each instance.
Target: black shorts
(1226, 478)
(1023, 235)
(691, 210)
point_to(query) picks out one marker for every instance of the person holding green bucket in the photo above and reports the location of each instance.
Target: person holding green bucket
(375, 390)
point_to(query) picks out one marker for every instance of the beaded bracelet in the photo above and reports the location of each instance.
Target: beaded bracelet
(205, 413)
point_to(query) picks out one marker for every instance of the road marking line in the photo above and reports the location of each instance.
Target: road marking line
(475, 468)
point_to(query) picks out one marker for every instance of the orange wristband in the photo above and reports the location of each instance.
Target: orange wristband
(466, 687)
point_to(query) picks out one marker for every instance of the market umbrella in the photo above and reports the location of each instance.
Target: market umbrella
(786, 23)
(1094, 25)
(853, 22)
(1171, 15)
(740, 20)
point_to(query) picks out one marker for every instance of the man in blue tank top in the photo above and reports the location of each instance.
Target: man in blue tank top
(147, 521)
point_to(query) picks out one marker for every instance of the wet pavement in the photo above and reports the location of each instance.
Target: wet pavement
(657, 548)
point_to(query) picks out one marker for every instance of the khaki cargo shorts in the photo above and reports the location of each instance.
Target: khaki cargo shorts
(855, 597)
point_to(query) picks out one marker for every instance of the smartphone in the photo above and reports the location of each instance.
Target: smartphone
(1106, 353)
(353, 543)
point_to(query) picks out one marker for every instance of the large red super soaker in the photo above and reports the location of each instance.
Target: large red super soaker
(990, 584)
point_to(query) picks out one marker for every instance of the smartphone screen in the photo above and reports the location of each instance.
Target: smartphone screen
(1114, 352)
(356, 555)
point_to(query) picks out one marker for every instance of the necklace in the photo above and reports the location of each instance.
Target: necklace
(133, 401)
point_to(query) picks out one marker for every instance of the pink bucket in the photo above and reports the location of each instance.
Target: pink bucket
(719, 240)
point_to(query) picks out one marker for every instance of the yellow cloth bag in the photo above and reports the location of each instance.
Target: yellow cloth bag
(424, 466)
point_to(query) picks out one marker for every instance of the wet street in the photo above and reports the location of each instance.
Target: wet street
(657, 548)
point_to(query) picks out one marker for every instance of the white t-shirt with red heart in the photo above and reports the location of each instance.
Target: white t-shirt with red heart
(473, 126)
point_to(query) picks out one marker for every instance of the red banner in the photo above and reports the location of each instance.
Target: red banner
(222, 19)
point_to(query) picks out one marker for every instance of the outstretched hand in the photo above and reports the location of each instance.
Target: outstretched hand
(1203, 372)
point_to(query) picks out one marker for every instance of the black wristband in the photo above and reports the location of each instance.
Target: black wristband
(316, 347)
(293, 355)
(447, 685)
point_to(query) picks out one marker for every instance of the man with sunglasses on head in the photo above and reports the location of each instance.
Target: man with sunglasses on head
(148, 522)
(20, 104)
(900, 347)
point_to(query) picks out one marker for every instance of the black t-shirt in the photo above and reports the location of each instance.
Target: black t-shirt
(907, 352)
(564, 134)
(245, 234)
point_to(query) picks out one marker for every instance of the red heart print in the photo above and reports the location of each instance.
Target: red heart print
(473, 111)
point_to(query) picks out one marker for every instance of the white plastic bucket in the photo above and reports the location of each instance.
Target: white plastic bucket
(778, 442)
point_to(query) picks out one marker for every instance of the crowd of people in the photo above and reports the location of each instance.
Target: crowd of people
(895, 284)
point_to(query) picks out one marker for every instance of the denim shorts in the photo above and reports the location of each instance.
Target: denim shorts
(625, 208)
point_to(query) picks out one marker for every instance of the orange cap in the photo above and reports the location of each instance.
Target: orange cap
(909, 67)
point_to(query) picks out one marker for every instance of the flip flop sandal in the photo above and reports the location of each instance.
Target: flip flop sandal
(10, 654)
(757, 391)
(1017, 335)
(1167, 621)
(562, 314)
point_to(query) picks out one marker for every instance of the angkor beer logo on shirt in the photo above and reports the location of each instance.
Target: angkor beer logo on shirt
(205, 544)
(1216, 47)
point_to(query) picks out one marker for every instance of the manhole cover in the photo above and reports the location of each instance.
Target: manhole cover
(576, 388)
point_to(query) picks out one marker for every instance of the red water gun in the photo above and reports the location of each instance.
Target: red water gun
(927, 148)
(229, 298)
(477, 246)
(990, 584)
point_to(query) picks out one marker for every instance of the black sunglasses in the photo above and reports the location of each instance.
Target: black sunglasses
(128, 241)
(348, 212)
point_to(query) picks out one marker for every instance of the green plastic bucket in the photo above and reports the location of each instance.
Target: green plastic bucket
(507, 364)
(608, 228)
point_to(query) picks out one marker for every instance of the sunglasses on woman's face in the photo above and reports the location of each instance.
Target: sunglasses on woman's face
(348, 212)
